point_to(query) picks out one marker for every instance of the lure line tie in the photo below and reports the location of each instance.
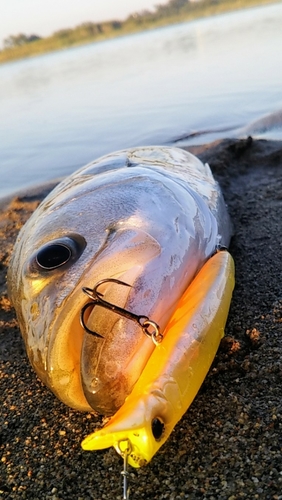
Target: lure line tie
(124, 473)
(124, 449)
(149, 327)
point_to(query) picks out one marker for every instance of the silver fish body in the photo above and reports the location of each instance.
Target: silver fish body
(148, 216)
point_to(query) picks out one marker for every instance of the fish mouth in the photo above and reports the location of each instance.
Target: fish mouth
(117, 344)
(91, 372)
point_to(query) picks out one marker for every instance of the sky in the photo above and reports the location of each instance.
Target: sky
(43, 17)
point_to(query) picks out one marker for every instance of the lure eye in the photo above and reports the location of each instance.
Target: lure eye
(157, 428)
(60, 252)
(53, 256)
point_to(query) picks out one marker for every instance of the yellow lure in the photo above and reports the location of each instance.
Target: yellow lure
(176, 368)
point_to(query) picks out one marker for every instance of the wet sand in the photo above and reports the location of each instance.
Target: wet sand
(229, 443)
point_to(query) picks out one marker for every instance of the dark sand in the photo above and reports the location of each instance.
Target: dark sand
(229, 443)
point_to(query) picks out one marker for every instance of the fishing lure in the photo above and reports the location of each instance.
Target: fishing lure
(175, 369)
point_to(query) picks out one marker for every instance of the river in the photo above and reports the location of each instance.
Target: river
(202, 80)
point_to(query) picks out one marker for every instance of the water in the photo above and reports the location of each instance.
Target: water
(62, 110)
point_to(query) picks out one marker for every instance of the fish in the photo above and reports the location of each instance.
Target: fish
(99, 275)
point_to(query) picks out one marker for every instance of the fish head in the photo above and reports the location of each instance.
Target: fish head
(112, 220)
(83, 370)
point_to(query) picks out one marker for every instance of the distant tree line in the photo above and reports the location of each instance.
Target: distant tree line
(83, 31)
(90, 30)
(22, 45)
(86, 30)
(18, 40)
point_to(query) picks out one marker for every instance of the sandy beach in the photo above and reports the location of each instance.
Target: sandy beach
(228, 446)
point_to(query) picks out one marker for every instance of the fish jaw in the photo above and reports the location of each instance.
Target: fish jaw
(111, 365)
(76, 358)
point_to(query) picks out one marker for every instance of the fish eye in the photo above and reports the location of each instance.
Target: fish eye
(59, 252)
(157, 428)
(53, 256)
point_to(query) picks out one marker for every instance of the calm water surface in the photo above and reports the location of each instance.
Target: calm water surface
(62, 110)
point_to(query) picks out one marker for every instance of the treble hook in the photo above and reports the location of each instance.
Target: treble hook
(149, 327)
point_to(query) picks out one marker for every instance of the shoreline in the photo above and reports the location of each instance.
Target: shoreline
(51, 44)
(228, 445)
